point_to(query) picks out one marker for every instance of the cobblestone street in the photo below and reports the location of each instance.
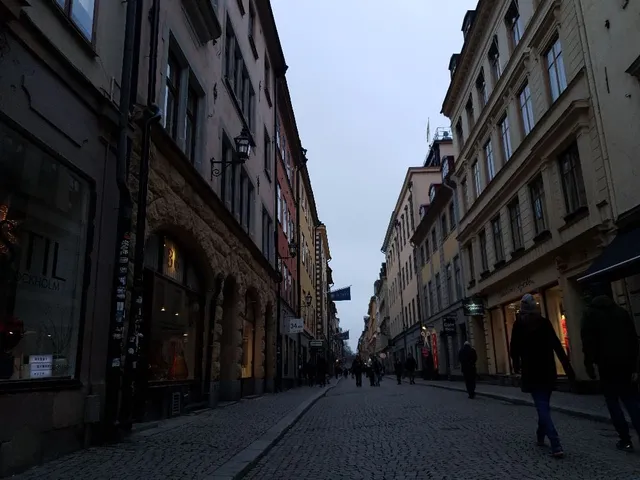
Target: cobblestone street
(414, 431)
(194, 449)
(391, 432)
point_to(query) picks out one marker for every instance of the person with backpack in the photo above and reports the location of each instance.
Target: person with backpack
(533, 345)
(610, 342)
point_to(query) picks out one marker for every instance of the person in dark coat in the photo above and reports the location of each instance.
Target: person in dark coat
(356, 367)
(397, 366)
(468, 358)
(533, 344)
(321, 371)
(610, 341)
(411, 366)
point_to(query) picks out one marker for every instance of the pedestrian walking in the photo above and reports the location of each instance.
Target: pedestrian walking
(356, 367)
(410, 366)
(398, 370)
(321, 371)
(378, 370)
(468, 358)
(533, 344)
(610, 341)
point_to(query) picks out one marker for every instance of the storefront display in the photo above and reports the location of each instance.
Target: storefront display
(44, 217)
(175, 327)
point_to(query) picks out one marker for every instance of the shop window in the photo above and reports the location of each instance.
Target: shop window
(248, 336)
(44, 218)
(175, 322)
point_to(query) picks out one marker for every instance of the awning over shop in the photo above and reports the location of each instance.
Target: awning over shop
(620, 259)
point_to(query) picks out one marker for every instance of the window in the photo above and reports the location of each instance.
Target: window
(575, 195)
(516, 224)
(438, 292)
(506, 137)
(279, 213)
(484, 259)
(457, 277)
(432, 303)
(470, 114)
(267, 235)
(481, 87)
(426, 250)
(526, 109)
(443, 225)
(434, 239)
(402, 229)
(498, 244)
(267, 79)
(237, 78)
(425, 296)
(410, 268)
(555, 67)
(449, 280)
(172, 94)
(230, 179)
(252, 22)
(491, 166)
(465, 193)
(413, 310)
(191, 125)
(452, 216)
(514, 24)
(477, 181)
(536, 190)
(494, 60)
(471, 260)
(460, 134)
(81, 13)
(44, 207)
(267, 154)
(247, 202)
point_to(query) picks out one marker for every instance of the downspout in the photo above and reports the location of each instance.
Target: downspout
(113, 372)
(135, 362)
(298, 269)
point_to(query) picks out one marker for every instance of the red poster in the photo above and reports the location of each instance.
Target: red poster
(434, 349)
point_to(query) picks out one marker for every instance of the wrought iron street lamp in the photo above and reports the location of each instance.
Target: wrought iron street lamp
(243, 150)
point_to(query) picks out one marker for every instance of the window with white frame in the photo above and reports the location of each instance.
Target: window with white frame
(481, 87)
(526, 109)
(267, 235)
(279, 202)
(247, 202)
(191, 124)
(268, 165)
(172, 96)
(506, 137)
(498, 244)
(573, 188)
(515, 219)
(555, 68)
(536, 192)
(494, 60)
(488, 155)
(484, 258)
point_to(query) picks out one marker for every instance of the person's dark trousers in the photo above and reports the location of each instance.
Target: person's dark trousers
(358, 379)
(399, 378)
(618, 389)
(470, 383)
(546, 428)
(372, 379)
(412, 377)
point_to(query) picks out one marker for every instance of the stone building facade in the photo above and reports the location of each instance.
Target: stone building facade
(533, 188)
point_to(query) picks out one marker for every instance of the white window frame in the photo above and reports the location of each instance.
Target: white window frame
(505, 133)
(526, 109)
(555, 70)
(491, 164)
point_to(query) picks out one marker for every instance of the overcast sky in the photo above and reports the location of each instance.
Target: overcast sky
(365, 76)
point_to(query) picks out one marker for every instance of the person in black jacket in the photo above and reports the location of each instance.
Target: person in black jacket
(356, 367)
(610, 341)
(410, 365)
(397, 366)
(533, 344)
(468, 358)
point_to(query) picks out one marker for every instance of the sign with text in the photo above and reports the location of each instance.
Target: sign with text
(295, 325)
(473, 307)
(341, 294)
(40, 366)
(449, 325)
(316, 343)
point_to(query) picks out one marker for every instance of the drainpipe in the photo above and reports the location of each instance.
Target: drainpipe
(120, 281)
(278, 376)
(134, 378)
(298, 268)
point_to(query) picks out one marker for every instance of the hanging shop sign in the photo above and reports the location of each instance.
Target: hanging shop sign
(473, 307)
(295, 325)
(449, 325)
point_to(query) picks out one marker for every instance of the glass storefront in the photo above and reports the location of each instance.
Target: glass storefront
(175, 326)
(44, 220)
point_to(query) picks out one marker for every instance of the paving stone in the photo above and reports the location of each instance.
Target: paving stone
(412, 432)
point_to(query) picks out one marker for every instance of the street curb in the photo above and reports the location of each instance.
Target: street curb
(240, 464)
(575, 412)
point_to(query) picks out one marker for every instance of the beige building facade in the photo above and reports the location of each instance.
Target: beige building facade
(530, 170)
(402, 279)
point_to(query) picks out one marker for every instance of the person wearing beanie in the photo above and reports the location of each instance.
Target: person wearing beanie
(533, 345)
